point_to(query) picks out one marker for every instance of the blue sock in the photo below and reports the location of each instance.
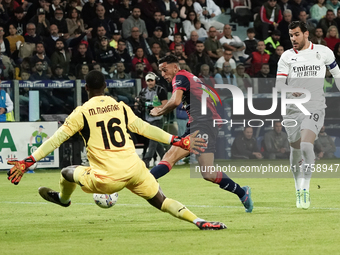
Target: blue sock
(228, 184)
(161, 169)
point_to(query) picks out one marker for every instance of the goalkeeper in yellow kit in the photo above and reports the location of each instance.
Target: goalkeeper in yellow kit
(104, 123)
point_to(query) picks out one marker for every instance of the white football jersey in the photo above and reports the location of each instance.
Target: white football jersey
(306, 69)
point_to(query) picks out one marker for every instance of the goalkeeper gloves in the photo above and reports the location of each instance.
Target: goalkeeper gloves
(19, 168)
(190, 143)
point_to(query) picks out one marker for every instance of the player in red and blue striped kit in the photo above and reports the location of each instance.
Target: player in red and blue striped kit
(187, 88)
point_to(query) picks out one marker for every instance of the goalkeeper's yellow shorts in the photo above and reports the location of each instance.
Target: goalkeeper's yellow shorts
(142, 182)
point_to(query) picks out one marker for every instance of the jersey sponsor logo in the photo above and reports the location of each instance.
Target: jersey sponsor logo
(178, 82)
(294, 59)
(306, 70)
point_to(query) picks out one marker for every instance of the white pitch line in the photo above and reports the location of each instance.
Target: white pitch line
(147, 205)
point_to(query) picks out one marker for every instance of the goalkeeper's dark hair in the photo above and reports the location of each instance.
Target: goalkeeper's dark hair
(302, 25)
(95, 80)
(170, 59)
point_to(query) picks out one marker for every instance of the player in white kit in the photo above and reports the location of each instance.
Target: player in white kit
(304, 66)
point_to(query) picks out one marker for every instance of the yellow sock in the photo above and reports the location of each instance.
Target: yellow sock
(178, 210)
(66, 189)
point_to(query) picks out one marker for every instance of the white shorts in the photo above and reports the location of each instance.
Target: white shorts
(313, 122)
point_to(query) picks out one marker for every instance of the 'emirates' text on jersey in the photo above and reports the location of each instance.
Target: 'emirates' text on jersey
(192, 95)
(306, 69)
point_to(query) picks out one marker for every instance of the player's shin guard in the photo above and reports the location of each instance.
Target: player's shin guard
(228, 184)
(295, 161)
(66, 189)
(177, 210)
(161, 169)
(308, 156)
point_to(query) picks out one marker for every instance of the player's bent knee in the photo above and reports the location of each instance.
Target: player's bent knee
(67, 173)
(157, 200)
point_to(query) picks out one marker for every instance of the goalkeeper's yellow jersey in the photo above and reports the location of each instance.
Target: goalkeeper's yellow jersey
(103, 123)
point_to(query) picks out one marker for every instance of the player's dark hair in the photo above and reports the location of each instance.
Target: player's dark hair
(95, 80)
(170, 59)
(302, 25)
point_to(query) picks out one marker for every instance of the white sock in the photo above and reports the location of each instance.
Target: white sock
(63, 200)
(308, 156)
(198, 220)
(295, 161)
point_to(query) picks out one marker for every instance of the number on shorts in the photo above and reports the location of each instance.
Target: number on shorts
(314, 116)
(204, 136)
(112, 130)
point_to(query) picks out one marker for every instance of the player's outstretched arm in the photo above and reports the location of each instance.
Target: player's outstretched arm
(173, 102)
(20, 167)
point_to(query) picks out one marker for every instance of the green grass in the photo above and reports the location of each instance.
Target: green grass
(29, 225)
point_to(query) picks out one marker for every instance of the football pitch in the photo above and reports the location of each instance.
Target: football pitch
(29, 225)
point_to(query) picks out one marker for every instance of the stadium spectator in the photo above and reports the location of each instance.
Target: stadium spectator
(213, 46)
(102, 20)
(5, 48)
(310, 25)
(227, 57)
(124, 9)
(61, 56)
(297, 6)
(121, 74)
(337, 53)
(283, 28)
(150, 14)
(106, 55)
(113, 42)
(58, 73)
(75, 22)
(82, 71)
(25, 66)
(274, 59)
(82, 55)
(205, 75)
(141, 58)
(6, 105)
(40, 55)
(14, 39)
(284, 5)
(156, 55)
(19, 21)
(250, 42)
(55, 5)
(111, 12)
(157, 96)
(317, 38)
(186, 9)
(177, 40)
(256, 59)
(233, 43)
(157, 37)
(333, 5)
(189, 23)
(39, 73)
(50, 41)
(139, 73)
(202, 33)
(266, 80)
(31, 36)
(208, 12)
(269, 18)
(70, 4)
(327, 21)
(134, 21)
(272, 42)
(180, 53)
(124, 55)
(190, 45)
(275, 143)
(324, 145)
(198, 58)
(88, 12)
(318, 10)
(337, 19)
(174, 26)
(157, 22)
(332, 37)
(41, 23)
(10, 6)
(137, 40)
(166, 7)
(245, 146)
(61, 22)
(95, 42)
(225, 76)
(243, 79)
